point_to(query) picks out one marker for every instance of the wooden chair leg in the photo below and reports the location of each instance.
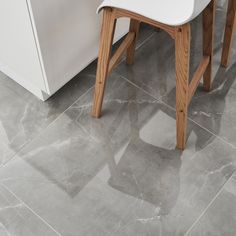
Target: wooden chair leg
(229, 32)
(182, 53)
(107, 35)
(134, 27)
(208, 41)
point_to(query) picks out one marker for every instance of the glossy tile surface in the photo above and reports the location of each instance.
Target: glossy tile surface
(119, 175)
(220, 218)
(17, 219)
(216, 110)
(23, 116)
(68, 174)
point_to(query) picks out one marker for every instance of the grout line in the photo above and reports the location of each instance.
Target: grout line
(130, 82)
(145, 40)
(158, 99)
(29, 208)
(172, 108)
(220, 138)
(208, 206)
(31, 140)
(231, 145)
(6, 230)
(42, 131)
(223, 140)
(138, 47)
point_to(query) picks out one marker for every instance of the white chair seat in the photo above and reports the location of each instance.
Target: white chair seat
(170, 12)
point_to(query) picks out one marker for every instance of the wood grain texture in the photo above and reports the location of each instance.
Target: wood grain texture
(134, 28)
(208, 41)
(129, 39)
(182, 54)
(107, 35)
(229, 33)
(124, 13)
(198, 76)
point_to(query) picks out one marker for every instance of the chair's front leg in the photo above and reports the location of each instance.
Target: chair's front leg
(182, 54)
(107, 35)
(208, 41)
(229, 33)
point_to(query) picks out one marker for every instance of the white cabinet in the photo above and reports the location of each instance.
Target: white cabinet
(45, 43)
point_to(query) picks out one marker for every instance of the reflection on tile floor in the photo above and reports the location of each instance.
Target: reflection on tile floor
(117, 175)
(221, 216)
(68, 174)
(24, 116)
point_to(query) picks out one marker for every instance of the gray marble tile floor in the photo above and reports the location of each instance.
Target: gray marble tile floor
(65, 173)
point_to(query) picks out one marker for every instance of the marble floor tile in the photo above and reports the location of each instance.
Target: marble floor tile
(121, 174)
(220, 217)
(18, 220)
(216, 110)
(23, 116)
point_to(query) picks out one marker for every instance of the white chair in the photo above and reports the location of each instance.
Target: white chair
(173, 16)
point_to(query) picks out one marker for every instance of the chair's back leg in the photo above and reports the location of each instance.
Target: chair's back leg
(229, 33)
(107, 35)
(182, 53)
(208, 41)
(134, 27)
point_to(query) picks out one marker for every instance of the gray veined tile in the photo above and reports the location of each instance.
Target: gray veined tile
(220, 217)
(121, 174)
(216, 110)
(16, 219)
(23, 116)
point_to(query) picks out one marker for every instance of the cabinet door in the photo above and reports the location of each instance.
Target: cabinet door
(68, 34)
(19, 57)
